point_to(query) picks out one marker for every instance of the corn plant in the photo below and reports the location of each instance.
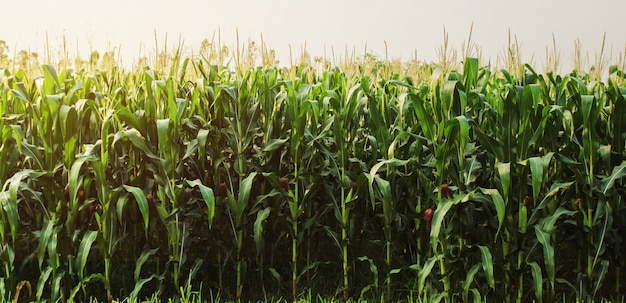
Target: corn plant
(468, 184)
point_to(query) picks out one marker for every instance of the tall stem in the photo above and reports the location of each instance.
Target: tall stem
(344, 239)
(107, 282)
(388, 261)
(520, 282)
(294, 259)
(239, 246)
(294, 227)
(446, 280)
(239, 223)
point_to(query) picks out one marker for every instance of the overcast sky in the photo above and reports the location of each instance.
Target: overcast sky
(405, 25)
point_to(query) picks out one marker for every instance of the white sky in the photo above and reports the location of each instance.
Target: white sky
(406, 25)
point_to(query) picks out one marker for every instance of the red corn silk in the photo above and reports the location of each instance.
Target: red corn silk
(445, 191)
(284, 182)
(221, 190)
(428, 217)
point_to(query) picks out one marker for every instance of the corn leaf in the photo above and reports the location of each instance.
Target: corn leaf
(208, 197)
(487, 265)
(548, 251)
(142, 203)
(537, 281)
(83, 252)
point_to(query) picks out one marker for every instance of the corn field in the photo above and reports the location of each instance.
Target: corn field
(468, 185)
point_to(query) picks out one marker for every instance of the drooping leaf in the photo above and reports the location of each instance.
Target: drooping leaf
(139, 285)
(609, 182)
(83, 251)
(42, 281)
(498, 202)
(537, 281)
(548, 223)
(536, 169)
(51, 80)
(142, 203)
(208, 197)
(374, 171)
(424, 272)
(8, 197)
(469, 278)
(601, 276)
(504, 172)
(554, 189)
(145, 255)
(470, 73)
(274, 144)
(548, 252)
(440, 212)
(487, 265)
(261, 216)
(45, 236)
(68, 120)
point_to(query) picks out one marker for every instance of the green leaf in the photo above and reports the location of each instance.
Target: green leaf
(424, 118)
(537, 281)
(487, 265)
(619, 121)
(536, 169)
(68, 119)
(208, 197)
(244, 195)
(11, 212)
(609, 182)
(50, 79)
(477, 297)
(274, 144)
(45, 236)
(548, 223)
(554, 189)
(42, 281)
(372, 176)
(234, 206)
(142, 202)
(83, 251)
(163, 130)
(424, 272)
(587, 102)
(492, 145)
(138, 286)
(469, 278)
(128, 118)
(120, 206)
(8, 198)
(385, 190)
(145, 255)
(548, 252)
(608, 221)
(504, 172)
(453, 104)
(261, 216)
(498, 202)
(374, 271)
(442, 209)
(470, 73)
(82, 283)
(74, 179)
(55, 287)
(601, 276)
(135, 137)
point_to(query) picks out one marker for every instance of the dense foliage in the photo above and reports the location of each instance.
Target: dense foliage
(471, 185)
